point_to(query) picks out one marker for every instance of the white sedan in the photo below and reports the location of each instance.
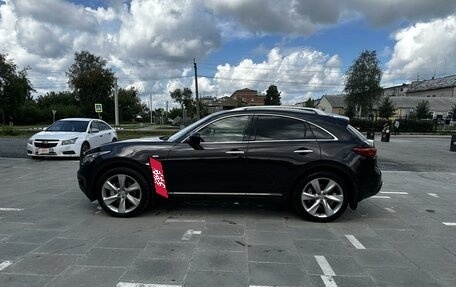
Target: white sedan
(70, 137)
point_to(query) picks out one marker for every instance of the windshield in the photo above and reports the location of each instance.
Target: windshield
(68, 126)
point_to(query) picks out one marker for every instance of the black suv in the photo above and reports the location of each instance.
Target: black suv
(314, 159)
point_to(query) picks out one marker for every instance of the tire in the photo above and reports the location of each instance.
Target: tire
(84, 148)
(123, 192)
(321, 197)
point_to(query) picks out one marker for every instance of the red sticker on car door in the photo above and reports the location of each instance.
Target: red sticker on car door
(159, 177)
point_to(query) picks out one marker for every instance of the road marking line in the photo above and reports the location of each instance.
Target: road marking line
(449, 223)
(5, 264)
(185, 220)
(328, 281)
(188, 234)
(125, 284)
(324, 265)
(380, 196)
(10, 209)
(393, 192)
(354, 241)
(390, 210)
(434, 195)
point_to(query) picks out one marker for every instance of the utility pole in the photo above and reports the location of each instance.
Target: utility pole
(166, 112)
(150, 106)
(196, 90)
(116, 105)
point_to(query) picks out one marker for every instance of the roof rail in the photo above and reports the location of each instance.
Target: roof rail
(314, 110)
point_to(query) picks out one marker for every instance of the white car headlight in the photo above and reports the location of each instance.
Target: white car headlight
(30, 141)
(70, 141)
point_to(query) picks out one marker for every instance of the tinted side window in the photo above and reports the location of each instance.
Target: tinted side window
(320, 133)
(281, 128)
(225, 130)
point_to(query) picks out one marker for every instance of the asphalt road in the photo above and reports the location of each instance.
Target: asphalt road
(52, 236)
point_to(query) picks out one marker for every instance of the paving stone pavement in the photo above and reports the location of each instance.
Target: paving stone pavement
(51, 235)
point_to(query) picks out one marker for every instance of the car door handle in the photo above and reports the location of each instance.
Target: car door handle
(303, 151)
(235, 152)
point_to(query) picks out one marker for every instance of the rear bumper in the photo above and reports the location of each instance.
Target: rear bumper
(370, 186)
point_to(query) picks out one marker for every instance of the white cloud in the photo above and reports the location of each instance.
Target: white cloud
(56, 12)
(150, 44)
(297, 73)
(426, 48)
(173, 30)
(277, 16)
(385, 12)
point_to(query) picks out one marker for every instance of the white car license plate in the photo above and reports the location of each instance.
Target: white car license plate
(43, 151)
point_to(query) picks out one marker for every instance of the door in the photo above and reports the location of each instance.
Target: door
(280, 146)
(217, 166)
(96, 136)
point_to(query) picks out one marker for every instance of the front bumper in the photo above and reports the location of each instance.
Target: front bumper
(84, 186)
(71, 150)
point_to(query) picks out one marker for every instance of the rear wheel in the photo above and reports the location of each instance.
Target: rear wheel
(321, 197)
(123, 192)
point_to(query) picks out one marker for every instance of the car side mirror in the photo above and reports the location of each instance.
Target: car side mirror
(94, 130)
(194, 141)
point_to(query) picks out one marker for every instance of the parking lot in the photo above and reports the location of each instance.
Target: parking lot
(51, 235)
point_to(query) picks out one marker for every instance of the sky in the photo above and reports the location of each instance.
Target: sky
(304, 47)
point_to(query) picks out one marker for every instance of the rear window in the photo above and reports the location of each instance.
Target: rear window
(280, 128)
(321, 134)
(357, 133)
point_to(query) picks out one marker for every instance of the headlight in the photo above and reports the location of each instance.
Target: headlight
(91, 156)
(30, 141)
(70, 141)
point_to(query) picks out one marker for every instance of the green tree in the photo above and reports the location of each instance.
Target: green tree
(92, 82)
(272, 96)
(309, 103)
(63, 102)
(185, 99)
(362, 84)
(452, 112)
(174, 113)
(386, 108)
(423, 110)
(15, 88)
(350, 111)
(129, 104)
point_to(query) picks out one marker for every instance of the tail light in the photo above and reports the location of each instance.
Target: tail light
(369, 152)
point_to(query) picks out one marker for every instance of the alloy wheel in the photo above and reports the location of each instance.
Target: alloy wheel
(121, 193)
(322, 197)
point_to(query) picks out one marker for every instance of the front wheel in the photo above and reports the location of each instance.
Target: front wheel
(84, 148)
(123, 192)
(321, 197)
